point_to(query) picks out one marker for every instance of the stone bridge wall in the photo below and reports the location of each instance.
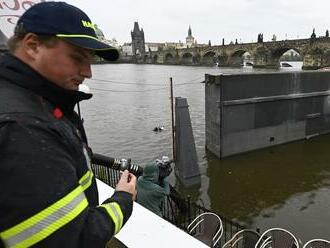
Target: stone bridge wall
(315, 54)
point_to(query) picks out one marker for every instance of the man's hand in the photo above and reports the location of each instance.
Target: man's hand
(127, 183)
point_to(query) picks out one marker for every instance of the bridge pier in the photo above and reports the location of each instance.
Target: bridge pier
(315, 60)
(265, 60)
(208, 60)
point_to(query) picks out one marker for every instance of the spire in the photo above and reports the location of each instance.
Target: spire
(189, 31)
(136, 27)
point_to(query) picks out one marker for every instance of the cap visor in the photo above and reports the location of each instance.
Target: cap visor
(101, 49)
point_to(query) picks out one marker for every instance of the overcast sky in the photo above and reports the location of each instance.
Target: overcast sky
(168, 20)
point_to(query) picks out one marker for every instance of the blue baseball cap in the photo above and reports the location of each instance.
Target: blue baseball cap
(68, 23)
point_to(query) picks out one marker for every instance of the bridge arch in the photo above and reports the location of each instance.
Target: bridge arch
(209, 58)
(277, 54)
(221, 59)
(196, 59)
(187, 59)
(287, 56)
(236, 58)
(155, 59)
(146, 58)
(169, 59)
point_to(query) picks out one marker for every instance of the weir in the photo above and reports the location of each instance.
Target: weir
(246, 112)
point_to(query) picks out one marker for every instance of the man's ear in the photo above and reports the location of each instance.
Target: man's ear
(31, 45)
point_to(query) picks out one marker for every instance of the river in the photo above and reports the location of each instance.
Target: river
(285, 186)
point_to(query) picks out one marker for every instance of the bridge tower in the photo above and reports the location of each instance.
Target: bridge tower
(138, 43)
(190, 40)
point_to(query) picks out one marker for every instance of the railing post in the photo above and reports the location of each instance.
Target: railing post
(189, 209)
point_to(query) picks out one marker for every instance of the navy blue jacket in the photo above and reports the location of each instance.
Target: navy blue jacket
(48, 194)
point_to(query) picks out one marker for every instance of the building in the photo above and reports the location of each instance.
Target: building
(113, 42)
(153, 46)
(138, 46)
(127, 49)
(190, 40)
(174, 45)
(99, 33)
(138, 42)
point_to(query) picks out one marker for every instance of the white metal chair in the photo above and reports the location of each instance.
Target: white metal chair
(277, 238)
(206, 227)
(246, 238)
(317, 243)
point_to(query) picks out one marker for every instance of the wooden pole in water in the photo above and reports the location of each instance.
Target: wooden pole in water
(173, 126)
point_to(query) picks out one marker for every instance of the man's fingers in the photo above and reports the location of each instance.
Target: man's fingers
(132, 179)
(127, 183)
(124, 175)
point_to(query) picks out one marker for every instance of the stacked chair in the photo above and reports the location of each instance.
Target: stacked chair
(206, 227)
(277, 238)
(246, 238)
(317, 243)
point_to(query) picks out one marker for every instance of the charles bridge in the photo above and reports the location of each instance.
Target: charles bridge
(314, 51)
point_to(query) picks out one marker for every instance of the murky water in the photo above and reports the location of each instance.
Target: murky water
(286, 186)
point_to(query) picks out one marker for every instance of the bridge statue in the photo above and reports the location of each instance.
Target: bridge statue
(313, 36)
(274, 37)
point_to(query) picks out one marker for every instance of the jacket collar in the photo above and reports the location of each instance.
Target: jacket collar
(21, 74)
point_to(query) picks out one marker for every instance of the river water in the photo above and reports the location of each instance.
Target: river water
(285, 186)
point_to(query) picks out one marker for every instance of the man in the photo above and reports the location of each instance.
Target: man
(153, 186)
(48, 194)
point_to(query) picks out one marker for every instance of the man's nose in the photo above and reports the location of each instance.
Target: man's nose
(86, 70)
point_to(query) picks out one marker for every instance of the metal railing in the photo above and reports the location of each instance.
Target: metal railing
(176, 209)
(182, 211)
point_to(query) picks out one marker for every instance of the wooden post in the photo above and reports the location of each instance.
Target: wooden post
(173, 125)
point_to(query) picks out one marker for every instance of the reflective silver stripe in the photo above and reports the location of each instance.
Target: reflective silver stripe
(114, 210)
(46, 222)
(86, 180)
(115, 213)
(88, 159)
(46, 226)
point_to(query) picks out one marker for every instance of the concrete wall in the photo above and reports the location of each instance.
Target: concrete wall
(212, 113)
(252, 111)
(186, 162)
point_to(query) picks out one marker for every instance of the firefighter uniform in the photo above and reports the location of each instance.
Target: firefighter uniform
(48, 194)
